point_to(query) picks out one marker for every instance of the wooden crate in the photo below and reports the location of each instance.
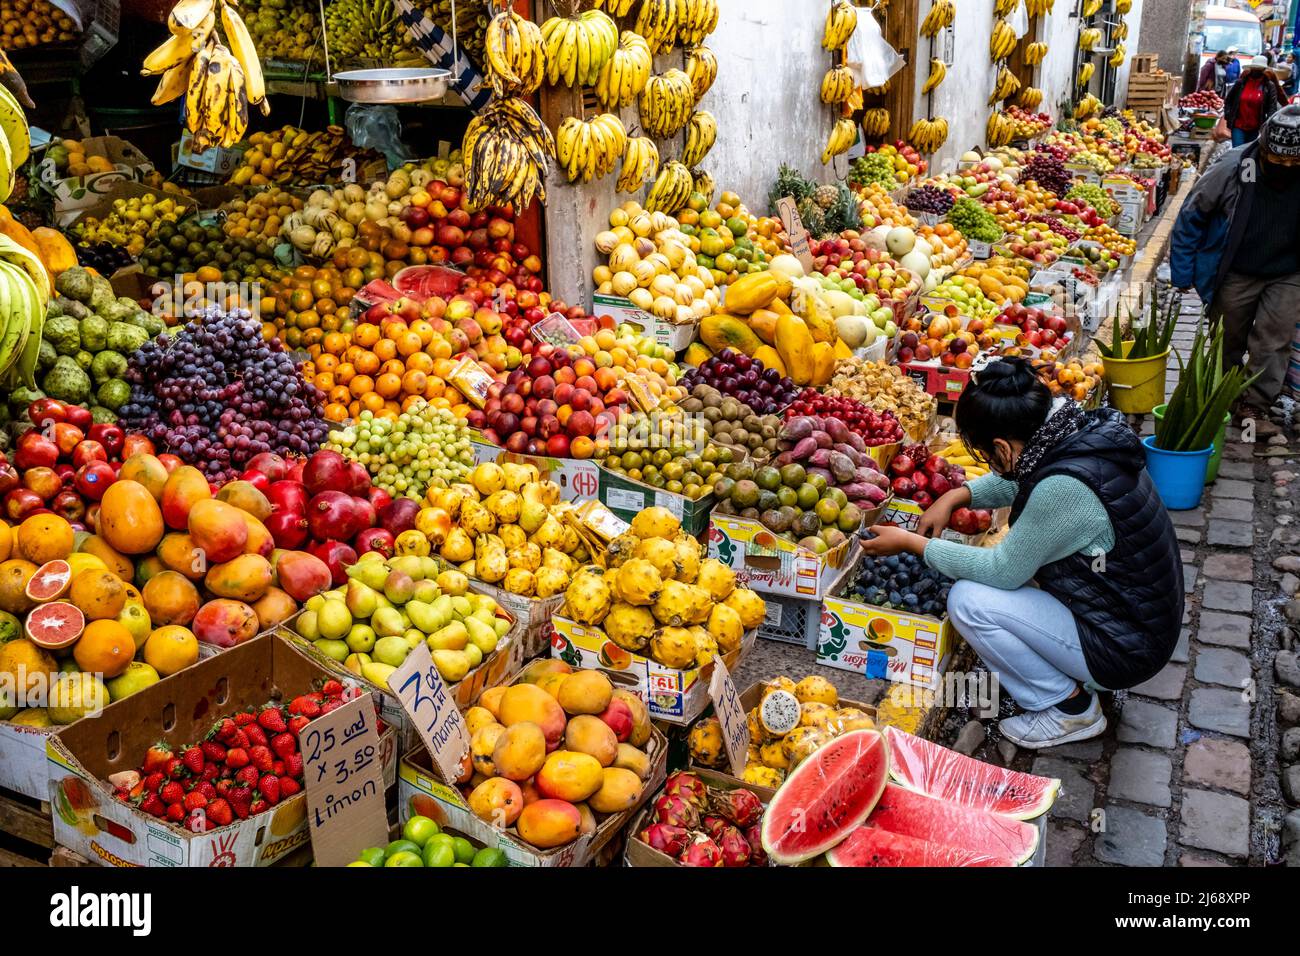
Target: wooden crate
(26, 832)
(1151, 91)
(1144, 63)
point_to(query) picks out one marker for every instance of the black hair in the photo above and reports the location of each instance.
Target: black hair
(1006, 399)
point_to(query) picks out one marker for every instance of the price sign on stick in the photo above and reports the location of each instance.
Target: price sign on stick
(794, 228)
(345, 783)
(731, 715)
(424, 697)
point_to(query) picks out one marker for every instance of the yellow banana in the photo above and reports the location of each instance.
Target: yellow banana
(937, 73)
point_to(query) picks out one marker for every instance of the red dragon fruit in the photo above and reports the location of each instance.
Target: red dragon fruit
(675, 811)
(742, 807)
(754, 837)
(734, 847)
(666, 839)
(713, 825)
(689, 787)
(701, 851)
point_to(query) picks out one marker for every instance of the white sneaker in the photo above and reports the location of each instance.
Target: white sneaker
(1037, 729)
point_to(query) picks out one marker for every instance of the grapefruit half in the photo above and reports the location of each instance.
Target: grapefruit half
(50, 581)
(55, 625)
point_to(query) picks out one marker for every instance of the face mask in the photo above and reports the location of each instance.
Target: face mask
(1282, 176)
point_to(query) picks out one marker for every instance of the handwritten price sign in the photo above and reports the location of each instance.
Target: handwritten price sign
(794, 228)
(424, 697)
(731, 715)
(345, 783)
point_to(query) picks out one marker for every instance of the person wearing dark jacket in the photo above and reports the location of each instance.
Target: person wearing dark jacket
(1237, 242)
(1214, 74)
(1250, 101)
(1087, 527)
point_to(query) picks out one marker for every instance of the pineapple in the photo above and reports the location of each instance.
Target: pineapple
(814, 220)
(826, 196)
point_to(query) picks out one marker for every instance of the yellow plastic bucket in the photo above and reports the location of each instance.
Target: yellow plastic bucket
(1136, 385)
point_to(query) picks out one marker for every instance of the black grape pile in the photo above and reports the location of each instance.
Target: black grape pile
(1048, 171)
(901, 582)
(217, 393)
(929, 198)
(103, 257)
(736, 374)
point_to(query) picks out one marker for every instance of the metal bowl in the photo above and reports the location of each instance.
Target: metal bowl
(396, 85)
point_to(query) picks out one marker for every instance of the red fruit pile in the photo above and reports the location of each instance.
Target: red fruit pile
(919, 476)
(64, 463)
(875, 428)
(1206, 100)
(1079, 209)
(699, 825)
(970, 520)
(245, 765)
(1040, 329)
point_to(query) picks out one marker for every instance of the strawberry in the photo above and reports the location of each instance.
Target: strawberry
(193, 760)
(241, 798)
(210, 771)
(208, 791)
(213, 751)
(283, 745)
(122, 793)
(296, 724)
(261, 758)
(236, 757)
(270, 788)
(256, 735)
(271, 719)
(174, 768)
(334, 703)
(175, 813)
(224, 730)
(152, 805)
(248, 775)
(332, 688)
(194, 801)
(172, 792)
(219, 812)
(156, 757)
(245, 718)
(293, 765)
(223, 786)
(239, 739)
(304, 706)
(259, 805)
(288, 787)
(154, 781)
(277, 768)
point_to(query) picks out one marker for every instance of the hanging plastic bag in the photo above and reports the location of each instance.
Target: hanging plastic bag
(378, 128)
(1018, 21)
(871, 59)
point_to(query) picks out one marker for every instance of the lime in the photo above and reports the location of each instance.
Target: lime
(463, 849)
(361, 863)
(490, 856)
(398, 846)
(404, 858)
(438, 854)
(418, 829)
(372, 854)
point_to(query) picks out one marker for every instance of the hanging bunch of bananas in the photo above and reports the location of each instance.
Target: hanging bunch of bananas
(938, 70)
(1030, 98)
(1123, 6)
(843, 135)
(659, 20)
(1007, 84)
(666, 103)
(837, 86)
(1004, 8)
(1034, 53)
(1000, 129)
(1002, 41)
(1038, 8)
(881, 90)
(589, 149)
(875, 123)
(700, 19)
(15, 141)
(673, 187)
(640, 162)
(370, 30)
(615, 8)
(928, 135)
(1087, 106)
(577, 47)
(515, 56)
(1090, 8)
(704, 185)
(625, 74)
(701, 134)
(841, 21)
(1117, 58)
(701, 69)
(1119, 31)
(1085, 74)
(24, 298)
(505, 150)
(941, 15)
(1089, 38)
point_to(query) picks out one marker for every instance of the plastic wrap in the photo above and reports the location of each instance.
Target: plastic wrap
(378, 128)
(928, 768)
(872, 846)
(869, 56)
(983, 834)
(1018, 21)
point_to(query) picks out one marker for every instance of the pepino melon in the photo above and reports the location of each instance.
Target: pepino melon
(871, 846)
(912, 814)
(928, 768)
(826, 797)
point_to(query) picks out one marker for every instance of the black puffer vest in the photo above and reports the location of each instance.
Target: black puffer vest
(1129, 611)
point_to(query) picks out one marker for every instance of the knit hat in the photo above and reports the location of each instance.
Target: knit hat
(1281, 132)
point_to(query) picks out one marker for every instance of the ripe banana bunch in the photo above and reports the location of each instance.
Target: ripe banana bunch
(841, 21)
(24, 293)
(1030, 98)
(843, 135)
(515, 56)
(1087, 106)
(640, 162)
(837, 86)
(937, 72)
(659, 20)
(666, 103)
(673, 187)
(1038, 8)
(928, 135)
(1090, 8)
(1007, 84)
(1034, 53)
(701, 19)
(1004, 8)
(704, 185)
(1123, 6)
(1000, 130)
(590, 149)
(881, 90)
(505, 150)
(1117, 58)
(875, 123)
(701, 69)
(1119, 31)
(1089, 38)
(1002, 41)
(1085, 74)
(15, 141)
(625, 74)
(701, 134)
(940, 16)
(577, 47)
(615, 8)
(216, 103)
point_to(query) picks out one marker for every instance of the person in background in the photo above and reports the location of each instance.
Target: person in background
(1237, 242)
(1214, 75)
(1289, 82)
(1233, 70)
(1250, 101)
(1281, 75)
(1087, 527)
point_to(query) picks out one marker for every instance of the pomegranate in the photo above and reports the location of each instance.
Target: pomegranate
(333, 516)
(676, 811)
(337, 557)
(742, 807)
(358, 480)
(288, 496)
(734, 848)
(364, 513)
(288, 529)
(379, 499)
(270, 464)
(700, 851)
(689, 787)
(399, 515)
(665, 838)
(296, 468)
(375, 539)
(256, 479)
(327, 471)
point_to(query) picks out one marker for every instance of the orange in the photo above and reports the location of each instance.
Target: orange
(386, 349)
(32, 662)
(6, 541)
(106, 647)
(367, 363)
(388, 385)
(324, 381)
(340, 395)
(420, 362)
(44, 538)
(14, 575)
(335, 412)
(366, 335)
(424, 330)
(171, 648)
(345, 372)
(372, 401)
(440, 349)
(360, 384)
(99, 594)
(334, 342)
(393, 366)
(412, 383)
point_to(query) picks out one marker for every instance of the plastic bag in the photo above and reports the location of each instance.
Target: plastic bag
(869, 57)
(378, 128)
(1018, 21)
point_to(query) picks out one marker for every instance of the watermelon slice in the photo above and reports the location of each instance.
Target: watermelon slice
(55, 625)
(50, 581)
(424, 282)
(826, 797)
(909, 813)
(926, 767)
(871, 846)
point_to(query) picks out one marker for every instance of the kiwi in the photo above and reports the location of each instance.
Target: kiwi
(739, 435)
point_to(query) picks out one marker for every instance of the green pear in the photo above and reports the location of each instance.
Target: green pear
(452, 665)
(484, 615)
(391, 651)
(453, 637)
(377, 672)
(424, 616)
(531, 516)
(399, 587)
(387, 622)
(408, 564)
(355, 662)
(425, 591)
(481, 635)
(429, 566)
(307, 626)
(361, 638)
(414, 636)
(361, 599)
(335, 650)
(501, 626)
(461, 607)
(406, 619)
(443, 608)
(314, 602)
(474, 655)
(334, 619)
(372, 574)
(381, 601)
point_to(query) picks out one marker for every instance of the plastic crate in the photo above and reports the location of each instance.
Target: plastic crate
(791, 621)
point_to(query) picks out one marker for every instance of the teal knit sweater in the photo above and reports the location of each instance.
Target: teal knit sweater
(1061, 517)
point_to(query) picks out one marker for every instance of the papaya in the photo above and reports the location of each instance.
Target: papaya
(763, 322)
(56, 252)
(780, 307)
(823, 363)
(794, 343)
(754, 290)
(842, 351)
(820, 322)
(770, 359)
(722, 331)
(697, 353)
(20, 234)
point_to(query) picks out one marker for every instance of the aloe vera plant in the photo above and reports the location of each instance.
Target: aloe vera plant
(1150, 340)
(1204, 394)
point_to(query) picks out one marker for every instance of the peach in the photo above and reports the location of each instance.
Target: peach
(619, 790)
(549, 823)
(499, 801)
(225, 623)
(218, 529)
(245, 578)
(568, 775)
(525, 702)
(185, 486)
(592, 736)
(585, 692)
(520, 751)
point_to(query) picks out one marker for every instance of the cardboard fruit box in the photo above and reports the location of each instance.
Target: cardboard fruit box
(533, 613)
(74, 193)
(770, 564)
(639, 853)
(578, 478)
(624, 312)
(673, 695)
(23, 766)
(628, 498)
(180, 710)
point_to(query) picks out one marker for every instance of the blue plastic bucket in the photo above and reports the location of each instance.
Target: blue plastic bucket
(1211, 472)
(1179, 476)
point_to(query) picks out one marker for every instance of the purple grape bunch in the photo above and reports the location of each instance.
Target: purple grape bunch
(733, 373)
(1048, 171)
(930, 198)
(216, 393)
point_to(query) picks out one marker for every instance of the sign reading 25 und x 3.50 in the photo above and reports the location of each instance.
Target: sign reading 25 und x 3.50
(345, 783)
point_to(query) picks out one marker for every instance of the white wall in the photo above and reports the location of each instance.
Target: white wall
(963, 95)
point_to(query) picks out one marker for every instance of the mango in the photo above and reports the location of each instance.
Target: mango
(525, 702)
(185, 486)
(619, 790)
(568, 775)
(499, 801)
(482, 746)
(592, 736)
(631, 758)
(585, 692)
(218, 529)
(245, 496)
(245, 578)
(520, 751)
